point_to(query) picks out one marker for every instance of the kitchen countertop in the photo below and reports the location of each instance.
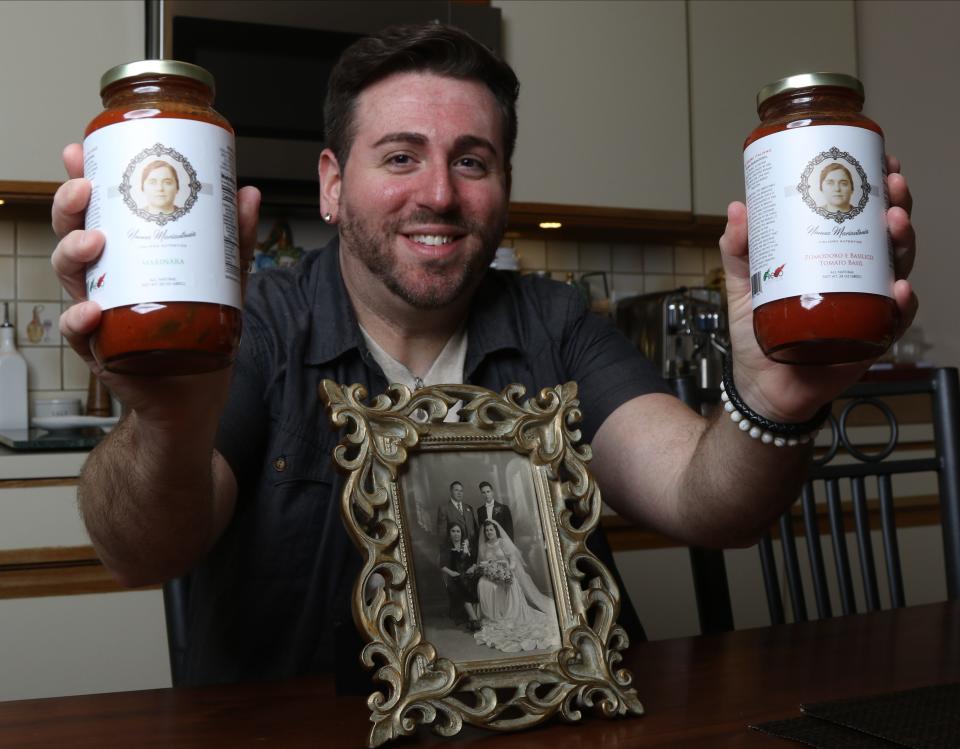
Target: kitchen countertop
(35, 438)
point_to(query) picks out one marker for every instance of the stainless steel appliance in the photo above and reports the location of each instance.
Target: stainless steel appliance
(684, 332)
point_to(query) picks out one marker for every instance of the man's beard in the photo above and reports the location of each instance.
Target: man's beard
(373, 249)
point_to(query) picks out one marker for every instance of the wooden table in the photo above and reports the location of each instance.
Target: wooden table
(698, 692)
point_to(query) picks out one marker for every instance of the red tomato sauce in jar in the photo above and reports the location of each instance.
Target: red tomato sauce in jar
(161, 161)
(821, 262)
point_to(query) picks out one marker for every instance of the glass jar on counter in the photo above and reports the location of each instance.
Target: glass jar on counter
(162, 165)
(821, 261)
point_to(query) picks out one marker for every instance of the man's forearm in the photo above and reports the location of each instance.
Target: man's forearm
(735, 487)
(700, 481)
(150, 500)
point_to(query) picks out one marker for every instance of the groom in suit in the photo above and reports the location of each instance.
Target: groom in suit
(491, 509)
(455, 510)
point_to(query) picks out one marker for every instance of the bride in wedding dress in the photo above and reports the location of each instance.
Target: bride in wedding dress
(516, 616)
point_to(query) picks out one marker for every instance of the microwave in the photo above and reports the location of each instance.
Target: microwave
(271, 60)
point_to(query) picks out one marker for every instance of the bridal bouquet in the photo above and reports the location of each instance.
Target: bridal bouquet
(496, 571)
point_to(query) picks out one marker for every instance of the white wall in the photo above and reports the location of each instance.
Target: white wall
(736, 48)
(603, 102)
(909, 59)
(52, 54)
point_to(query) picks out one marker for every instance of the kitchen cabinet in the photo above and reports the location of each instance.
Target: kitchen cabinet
(736, 48)
(645, 105)
(54, 54)
(65, 626)
(639, 105)
(603, 103)
(83, 644)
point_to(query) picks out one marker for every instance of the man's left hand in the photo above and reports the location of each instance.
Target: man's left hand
(785, 392)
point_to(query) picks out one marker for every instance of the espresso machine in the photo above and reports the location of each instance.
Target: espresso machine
(683, 332)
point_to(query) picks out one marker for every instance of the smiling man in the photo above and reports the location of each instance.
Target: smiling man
(420, 210)
(425, 208)
(228, 477)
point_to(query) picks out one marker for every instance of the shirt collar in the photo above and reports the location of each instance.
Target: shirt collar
(334, 328)
(493, 325)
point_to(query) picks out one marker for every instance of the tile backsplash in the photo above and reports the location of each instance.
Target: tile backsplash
(630, 269)
(28, 283)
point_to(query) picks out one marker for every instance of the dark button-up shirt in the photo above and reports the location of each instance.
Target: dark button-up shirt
(271, 599)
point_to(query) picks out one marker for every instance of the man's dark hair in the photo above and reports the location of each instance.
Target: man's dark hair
(423, 48)
(455, 483)
(483, 484)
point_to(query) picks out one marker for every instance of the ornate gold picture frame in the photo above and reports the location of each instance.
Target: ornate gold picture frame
(527, 627)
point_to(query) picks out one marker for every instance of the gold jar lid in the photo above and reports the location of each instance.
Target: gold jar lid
(807, 80)
(157, 67)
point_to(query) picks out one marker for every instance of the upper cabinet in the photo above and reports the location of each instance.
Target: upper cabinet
(603, 102)
(623, 105)
(646, 104)
(736, 48)
(54, 55)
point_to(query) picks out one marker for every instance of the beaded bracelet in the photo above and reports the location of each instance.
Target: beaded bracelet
(758, 427)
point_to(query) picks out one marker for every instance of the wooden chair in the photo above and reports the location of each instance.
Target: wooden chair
(846, 469)
(176, 593)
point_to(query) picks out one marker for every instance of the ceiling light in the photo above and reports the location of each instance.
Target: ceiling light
(550, 224)
(2, 201)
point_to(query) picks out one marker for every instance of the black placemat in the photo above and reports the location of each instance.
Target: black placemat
(925, 718)
(821, 734)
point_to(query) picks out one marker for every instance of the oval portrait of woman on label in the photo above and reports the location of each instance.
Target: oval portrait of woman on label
(834, 185)
(160, 185)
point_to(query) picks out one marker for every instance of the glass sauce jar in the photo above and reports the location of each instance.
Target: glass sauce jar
(821, 261)
(162, 165)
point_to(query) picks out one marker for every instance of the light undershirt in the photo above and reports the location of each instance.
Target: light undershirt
(447, 368)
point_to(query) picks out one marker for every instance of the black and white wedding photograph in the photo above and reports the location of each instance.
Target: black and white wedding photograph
(479, 559)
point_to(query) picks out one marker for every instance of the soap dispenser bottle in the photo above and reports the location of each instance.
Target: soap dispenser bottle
(13, 378)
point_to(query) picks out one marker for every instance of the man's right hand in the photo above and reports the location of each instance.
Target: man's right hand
(155, 494)
(163, 398)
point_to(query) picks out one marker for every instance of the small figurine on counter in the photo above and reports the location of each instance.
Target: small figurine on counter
(277, 250)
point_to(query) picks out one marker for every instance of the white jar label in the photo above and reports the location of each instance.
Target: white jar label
(164, 194)
(816, 213)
